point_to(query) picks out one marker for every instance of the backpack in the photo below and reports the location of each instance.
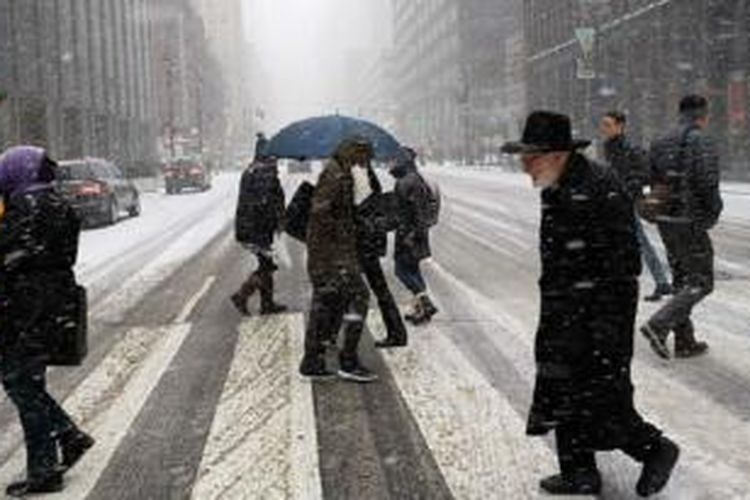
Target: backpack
(433, 203)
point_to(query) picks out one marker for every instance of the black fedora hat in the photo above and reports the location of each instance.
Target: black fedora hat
(545, 131)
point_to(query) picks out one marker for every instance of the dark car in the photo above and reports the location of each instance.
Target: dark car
(186, 174)
(98, 191)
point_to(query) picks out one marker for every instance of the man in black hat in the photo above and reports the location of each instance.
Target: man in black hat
(584, 342)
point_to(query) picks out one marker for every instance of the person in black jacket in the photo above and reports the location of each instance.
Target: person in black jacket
(260, 214)
(412, 234)
(687, 162)
(632, 167)
(589, 298)
(38, 249)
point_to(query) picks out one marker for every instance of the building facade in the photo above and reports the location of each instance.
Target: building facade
(77, 79)
(457, 79)
(646, 54)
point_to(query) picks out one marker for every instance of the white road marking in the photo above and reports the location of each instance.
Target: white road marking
(189, 306)
(263, 442)
(108, 401)
(476, 437)
(285, 259)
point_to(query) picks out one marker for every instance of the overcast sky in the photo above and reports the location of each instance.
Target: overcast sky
(302, 45)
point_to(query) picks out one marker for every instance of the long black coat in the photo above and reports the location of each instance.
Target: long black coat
(260, 208)
(413, 197)
(584, 343)
(38, 249)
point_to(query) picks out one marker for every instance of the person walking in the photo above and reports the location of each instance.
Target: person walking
(38, 248)
(685, 166)
(372, 245)
(340, 295)
(413, 233)
(631, 165)
(260, 146)
(589, 296)
(260, 214)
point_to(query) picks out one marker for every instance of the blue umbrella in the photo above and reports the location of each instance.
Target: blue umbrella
(318, 138)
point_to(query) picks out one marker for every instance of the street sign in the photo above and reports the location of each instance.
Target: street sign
(585, 64)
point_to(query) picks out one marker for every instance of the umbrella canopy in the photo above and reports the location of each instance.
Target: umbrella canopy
(318, 138)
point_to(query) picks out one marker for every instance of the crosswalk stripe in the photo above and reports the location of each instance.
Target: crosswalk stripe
(262, 442)
(108, 401)
(476, 437)
(689, 417)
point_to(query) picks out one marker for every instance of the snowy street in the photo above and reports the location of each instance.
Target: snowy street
(188, 400)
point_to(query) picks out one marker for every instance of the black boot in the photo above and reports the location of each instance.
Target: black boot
(660, 291)
(74, 444)
(52, 483)
(579, 483)
(685, 345)
(657, 339)
(246, 291)
(658, 467)
(315, 368)
(267, 305)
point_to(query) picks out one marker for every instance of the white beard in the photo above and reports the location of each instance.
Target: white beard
(544, 181)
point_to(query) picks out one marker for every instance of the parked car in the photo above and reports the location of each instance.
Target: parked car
(98, 191)
(186, 174)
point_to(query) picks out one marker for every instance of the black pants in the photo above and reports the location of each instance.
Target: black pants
(691, 258)
(388, 309)
(575, 456)
(343, 300)
(42, 419)
(261, 279)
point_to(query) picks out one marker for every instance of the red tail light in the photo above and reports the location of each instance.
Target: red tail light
(92, 189)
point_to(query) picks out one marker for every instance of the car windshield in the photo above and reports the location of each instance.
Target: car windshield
(74, 171)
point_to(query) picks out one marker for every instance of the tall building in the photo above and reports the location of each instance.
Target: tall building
(457, 78)
(642, 56)
(77, 79)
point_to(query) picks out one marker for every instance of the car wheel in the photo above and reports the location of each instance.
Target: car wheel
(135, 209)
(113, 215)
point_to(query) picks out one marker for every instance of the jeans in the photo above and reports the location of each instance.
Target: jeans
(691, 257)
(650, 257)
(42, 419)
(410, 274)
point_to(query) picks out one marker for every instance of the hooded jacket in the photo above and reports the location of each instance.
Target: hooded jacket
(413, 198)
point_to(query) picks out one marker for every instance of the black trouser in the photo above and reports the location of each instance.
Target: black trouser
(42, 419)
(691, 258)
(575, 456)
(333, 302)
(388, 309)
(261, 279)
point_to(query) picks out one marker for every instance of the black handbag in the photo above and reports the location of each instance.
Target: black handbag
(298, 212)
(69, 343)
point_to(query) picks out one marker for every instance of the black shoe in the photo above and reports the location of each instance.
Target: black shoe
(356, 373)
(50, 484)
(658, 341)
(582, 483)
(315, 369)
(389, 343)
(697, 349)
(657, 469)
(240, 303)
(660, 291)
(273, 309)
(428, 308)
(74, 445)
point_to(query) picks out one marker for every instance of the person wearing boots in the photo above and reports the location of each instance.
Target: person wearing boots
(631, 165)
(38, 249)
(590, 264)
(687, 162)
(340, 295)
(260, 214)
(412, 234)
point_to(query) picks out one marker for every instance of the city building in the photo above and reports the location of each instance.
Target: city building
(77, 80)
(457, 75)
(642, 56)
